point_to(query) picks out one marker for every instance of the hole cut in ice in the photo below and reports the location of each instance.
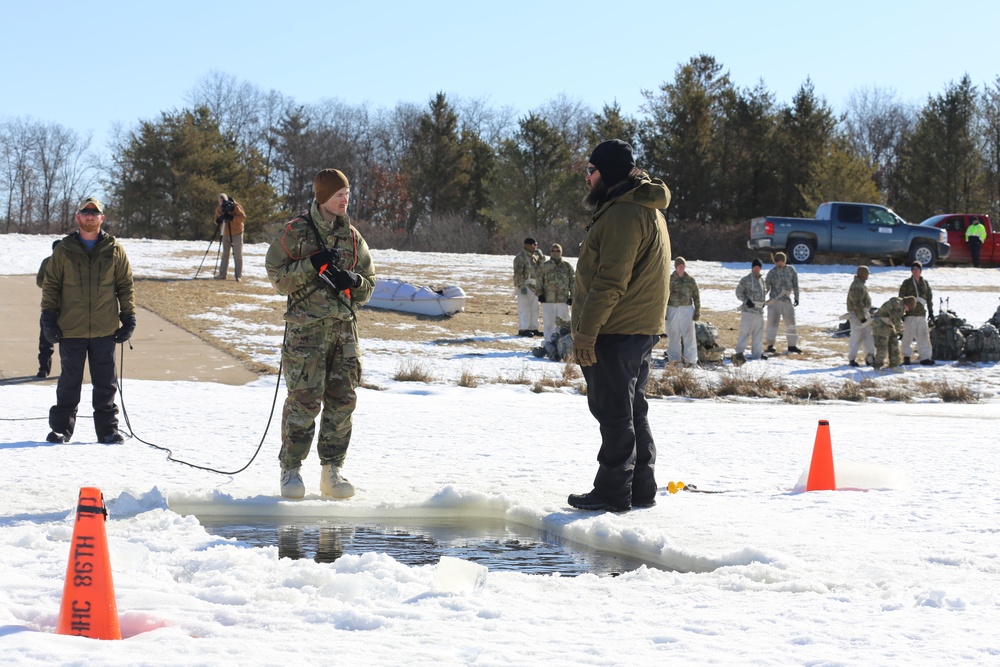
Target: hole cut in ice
(493, 543)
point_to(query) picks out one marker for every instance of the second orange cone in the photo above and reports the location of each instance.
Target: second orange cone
(821, 475)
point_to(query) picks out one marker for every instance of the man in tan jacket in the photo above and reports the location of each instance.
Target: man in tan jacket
(619, 310)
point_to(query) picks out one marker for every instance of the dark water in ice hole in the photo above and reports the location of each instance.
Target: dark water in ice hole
(488, 542)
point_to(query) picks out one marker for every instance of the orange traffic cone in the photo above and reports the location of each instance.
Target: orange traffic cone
(88, 603)
(821, 477)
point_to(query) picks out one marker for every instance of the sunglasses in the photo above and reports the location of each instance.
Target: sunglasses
(90, 211)
(591, 170)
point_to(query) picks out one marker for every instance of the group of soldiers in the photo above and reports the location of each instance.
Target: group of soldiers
(548, 282)
(885, 336)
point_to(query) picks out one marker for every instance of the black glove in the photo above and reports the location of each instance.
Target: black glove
(930, 319)
(749, 303)
(863, 320)
(796, 302)
(125, 331)
(49, 327)
(541, 298)
(218, 220)
(569, 301)
(321, 259)
(343, 279)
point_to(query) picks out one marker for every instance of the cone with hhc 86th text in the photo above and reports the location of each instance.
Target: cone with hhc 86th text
(821, 476)
(88, 604)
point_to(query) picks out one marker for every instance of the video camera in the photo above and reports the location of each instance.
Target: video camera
(228, 207)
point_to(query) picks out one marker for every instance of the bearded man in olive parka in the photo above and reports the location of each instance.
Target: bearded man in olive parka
(619, 309)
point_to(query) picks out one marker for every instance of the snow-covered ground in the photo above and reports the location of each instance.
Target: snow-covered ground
(902, 568)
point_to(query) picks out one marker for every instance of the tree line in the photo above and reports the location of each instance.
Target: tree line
(464, 175)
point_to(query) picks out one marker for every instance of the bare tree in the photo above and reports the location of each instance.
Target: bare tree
(877, 125)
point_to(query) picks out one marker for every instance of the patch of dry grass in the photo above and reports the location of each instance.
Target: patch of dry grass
(755, 384)
(948, 392)
(413, 370)
(678, 381)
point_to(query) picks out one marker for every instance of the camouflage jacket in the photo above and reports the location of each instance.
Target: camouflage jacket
(922, 292)
(753, 289)
(684, 292)
(889, 318)
(526, 267)
(89, 289)
(555, 281)
(783, 283)
(858, 301)
(292, 273)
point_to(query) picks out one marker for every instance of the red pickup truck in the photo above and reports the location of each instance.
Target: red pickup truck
(956, 224)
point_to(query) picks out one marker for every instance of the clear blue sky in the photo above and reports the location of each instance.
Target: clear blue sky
(88, 65)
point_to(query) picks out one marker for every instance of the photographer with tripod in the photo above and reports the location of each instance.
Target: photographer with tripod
(229, 216)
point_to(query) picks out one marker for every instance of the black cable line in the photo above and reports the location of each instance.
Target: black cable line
(170, 453)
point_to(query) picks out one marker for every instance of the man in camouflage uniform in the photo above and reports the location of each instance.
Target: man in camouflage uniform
(322, 264)
(88, 306)
(915, 326)
(783, 283)
(887, 328)
(526, 265)
(751, 292)
(859, 305)
(555, 290)
(683, 310)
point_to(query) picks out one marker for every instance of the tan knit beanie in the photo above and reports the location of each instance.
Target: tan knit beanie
(327, 183)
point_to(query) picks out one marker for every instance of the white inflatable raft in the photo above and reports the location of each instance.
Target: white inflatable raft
(397, 295)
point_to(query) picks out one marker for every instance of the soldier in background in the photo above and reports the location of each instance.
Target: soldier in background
(975, 236)
(322, 264)
(752, 292)
(915, 326)
(526, 265)
(45, 348)
(555, 290)
(230, 216)
(859, 305)
(783, 284)
(887, 328)
(683, 310)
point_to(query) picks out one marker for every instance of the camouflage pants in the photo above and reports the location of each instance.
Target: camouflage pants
(322, 369)
(781, 309)
(886, 340)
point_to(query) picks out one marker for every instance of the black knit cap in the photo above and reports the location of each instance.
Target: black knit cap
(756, 262)
(614, 159)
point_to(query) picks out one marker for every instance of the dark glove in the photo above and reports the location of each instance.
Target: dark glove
(343, 279)
(125, 331)
(863, 320)
(569, 301)
(696, 316)
(218, 220)
(541, 298)
(321, 259)
(749, 303)
(930, 319)
(49, 327)
(583, 349)
(796, 302)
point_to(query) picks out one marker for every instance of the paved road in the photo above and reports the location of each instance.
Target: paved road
(160, 350)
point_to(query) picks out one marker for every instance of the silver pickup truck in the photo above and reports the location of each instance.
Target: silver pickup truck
(846, 228)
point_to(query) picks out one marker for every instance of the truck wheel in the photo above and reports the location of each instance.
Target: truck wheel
(801, 251)
(923, 253)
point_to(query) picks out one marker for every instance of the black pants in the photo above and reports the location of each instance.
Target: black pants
(100, 354)
(975, 245)
(616, 387)
(45, 350)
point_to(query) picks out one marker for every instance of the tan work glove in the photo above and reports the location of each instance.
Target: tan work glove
(583, 349)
